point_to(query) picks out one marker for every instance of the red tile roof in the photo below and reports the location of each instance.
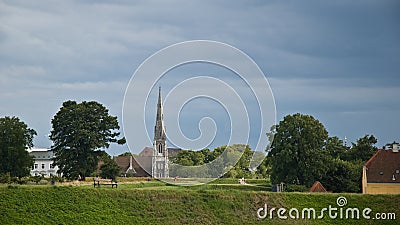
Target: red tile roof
(317, 187)
(383, 166)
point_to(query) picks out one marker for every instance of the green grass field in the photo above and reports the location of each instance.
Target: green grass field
(157, 203)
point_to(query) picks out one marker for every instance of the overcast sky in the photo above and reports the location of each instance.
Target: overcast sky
(336, 60)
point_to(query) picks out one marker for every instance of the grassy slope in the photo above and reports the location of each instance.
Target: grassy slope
(156, 203)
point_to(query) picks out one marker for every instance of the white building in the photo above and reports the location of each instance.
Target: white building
(43, 165)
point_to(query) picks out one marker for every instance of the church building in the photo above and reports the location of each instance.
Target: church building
(160, 152)
(151, 161)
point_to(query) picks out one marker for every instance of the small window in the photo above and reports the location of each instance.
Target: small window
(397, 171)
(43, 165)
(381, 173)
(160, 148)
(36, 165)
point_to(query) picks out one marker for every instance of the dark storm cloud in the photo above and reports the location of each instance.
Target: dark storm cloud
(324, 58)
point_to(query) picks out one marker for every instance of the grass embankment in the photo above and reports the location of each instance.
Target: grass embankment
(158, 203)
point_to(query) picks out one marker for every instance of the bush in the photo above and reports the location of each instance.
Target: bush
(5, 178)
(57, 178)
(14, 180)
(12, 186)
(296, 188)
(35, 179)
(23, 180)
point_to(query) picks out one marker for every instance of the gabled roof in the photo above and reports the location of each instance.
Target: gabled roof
(142, 162)
(124, 163)
(317, 187)
(146, 152)
(383, 166)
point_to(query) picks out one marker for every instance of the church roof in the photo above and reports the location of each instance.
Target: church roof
(148, 152)
(383, 167)
(142, 162)
(173, 151)
(124, 163)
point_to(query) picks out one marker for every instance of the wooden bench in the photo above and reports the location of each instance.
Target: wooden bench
(98, 182)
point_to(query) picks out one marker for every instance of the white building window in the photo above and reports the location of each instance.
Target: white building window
(43, 165)
(36, 165)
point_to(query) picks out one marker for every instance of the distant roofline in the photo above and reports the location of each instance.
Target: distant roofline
(392, 183)
(372, 157)
(370, 160)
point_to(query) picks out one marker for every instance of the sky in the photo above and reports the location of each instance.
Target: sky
(338, 61)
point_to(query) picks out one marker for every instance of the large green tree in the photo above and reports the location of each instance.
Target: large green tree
(363, 149)
(79, 132)
(15, 138)
(297, 155)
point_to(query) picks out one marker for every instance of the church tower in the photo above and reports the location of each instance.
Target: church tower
(160, 151)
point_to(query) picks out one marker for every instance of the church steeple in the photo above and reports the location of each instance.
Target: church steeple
(160, 151)
(159, 130)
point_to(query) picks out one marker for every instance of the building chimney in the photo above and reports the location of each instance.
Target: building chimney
(395, 147)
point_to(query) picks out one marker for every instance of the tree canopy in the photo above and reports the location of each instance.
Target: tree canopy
(15, 138)
(363, 149)
(229, 154)
(296, 154)
(78, 132)
(302, 153)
